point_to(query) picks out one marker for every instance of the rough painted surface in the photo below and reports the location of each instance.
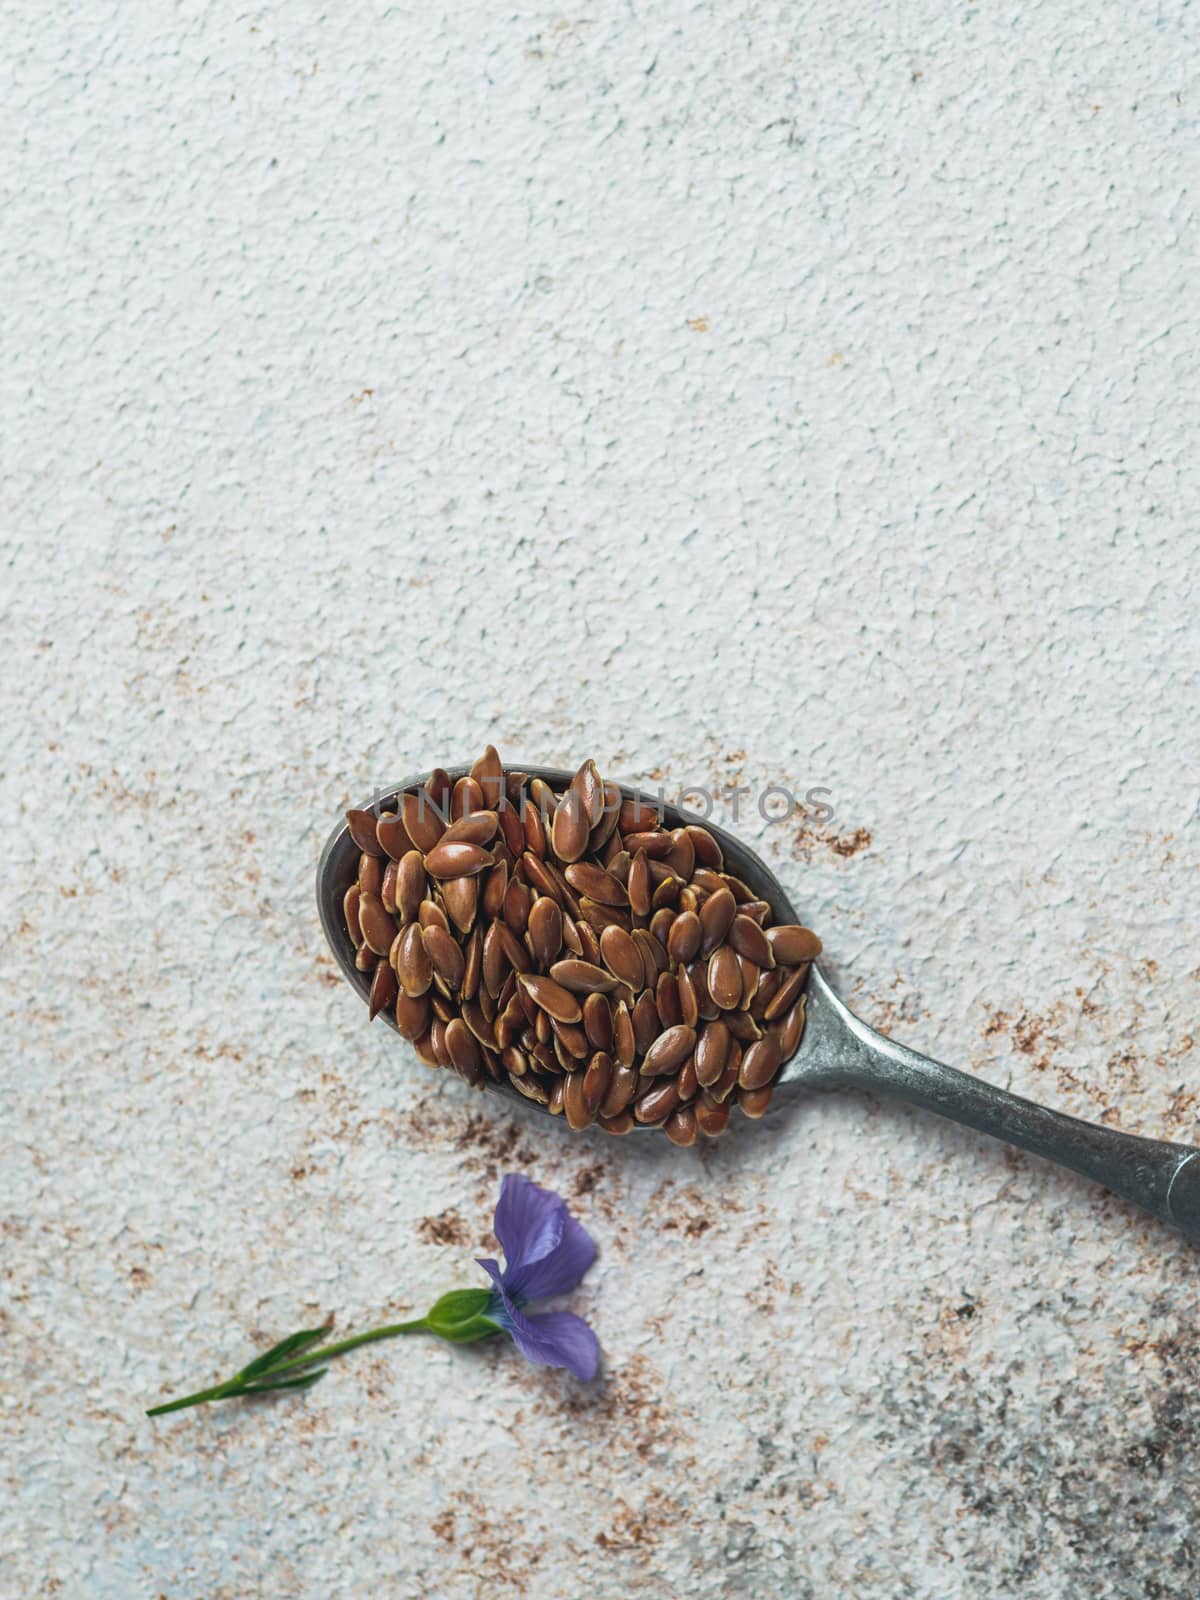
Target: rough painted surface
(792, 394)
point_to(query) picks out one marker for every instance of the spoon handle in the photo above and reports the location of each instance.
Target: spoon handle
(1163, 1178)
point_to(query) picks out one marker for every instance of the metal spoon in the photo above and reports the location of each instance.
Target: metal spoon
(839, 1050)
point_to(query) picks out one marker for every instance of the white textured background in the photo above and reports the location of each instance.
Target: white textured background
(799, 393)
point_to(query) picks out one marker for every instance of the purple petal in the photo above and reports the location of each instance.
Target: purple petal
(558, 1271)
(492, 1268)
(528, 1222)
(551, 1338)
(558, 1339)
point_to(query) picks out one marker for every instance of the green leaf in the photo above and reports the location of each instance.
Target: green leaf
(458, 1316)
(292, 1345)
(266, 1386)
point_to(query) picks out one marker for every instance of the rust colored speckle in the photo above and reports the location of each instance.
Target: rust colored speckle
(634, 1406)
(587, 1179)
(895, 1012)
(633, 1529)
(327, 972)
(1027, 1032)
(488, 1143)
(690, 1212)
(443, 1525)
(808, 839)
(849, 844)
(691, 1226)
(483, 1540)
(447, 1227)
(594, 1189)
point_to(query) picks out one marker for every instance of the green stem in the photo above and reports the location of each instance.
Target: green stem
(235, 1386)
(323, 1354)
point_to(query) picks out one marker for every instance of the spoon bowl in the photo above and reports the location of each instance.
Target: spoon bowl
(338, 868)
(839, 1050)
